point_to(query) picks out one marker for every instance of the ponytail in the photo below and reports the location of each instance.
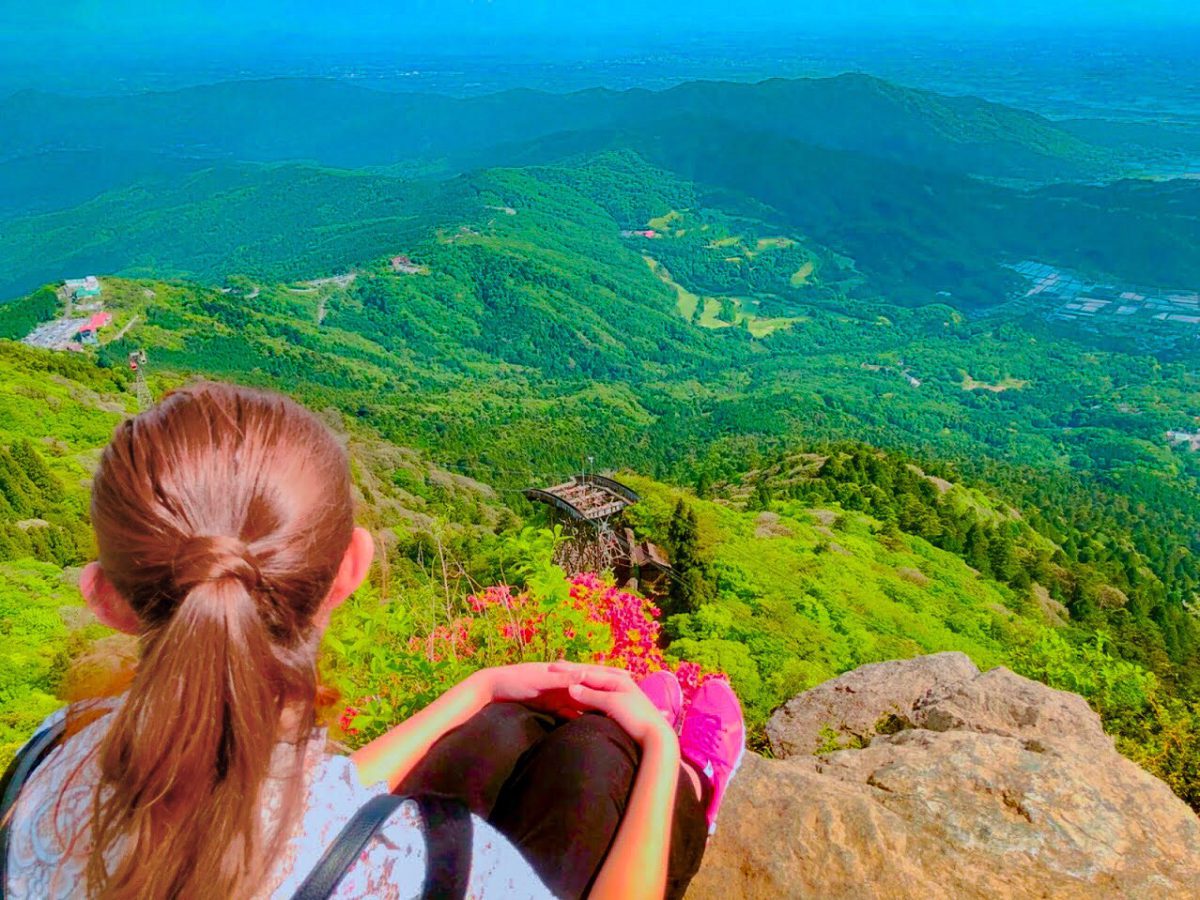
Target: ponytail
(190, 748)
(201, 527)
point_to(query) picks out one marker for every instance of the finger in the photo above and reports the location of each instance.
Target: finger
(549, 681)
(606, 677)
(558, 698)
(614, 680)
(542, 678)
(563, 665)
(568, 709)
(602, 701)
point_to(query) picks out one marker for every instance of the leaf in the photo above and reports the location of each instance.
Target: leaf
(335, 644)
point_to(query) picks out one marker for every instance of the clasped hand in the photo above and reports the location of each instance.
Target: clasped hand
(569, 689)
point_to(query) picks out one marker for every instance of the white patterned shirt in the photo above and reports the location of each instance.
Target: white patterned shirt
(53, 804)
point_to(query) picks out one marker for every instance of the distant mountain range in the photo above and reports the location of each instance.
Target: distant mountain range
(339, 124)
(930, 195)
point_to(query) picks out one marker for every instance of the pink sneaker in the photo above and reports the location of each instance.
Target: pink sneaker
(662, 687)
(713, 738)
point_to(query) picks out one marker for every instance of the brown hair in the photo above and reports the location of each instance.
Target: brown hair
(221, 517)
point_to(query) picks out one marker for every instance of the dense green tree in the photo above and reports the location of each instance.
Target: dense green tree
(762, 496)
(27, 458)
(690, 580)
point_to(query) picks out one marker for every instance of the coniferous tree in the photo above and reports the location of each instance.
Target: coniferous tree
(15, 486)
(690, 580)
(975, 549)
(891, 536)
(10, 545)
(26, 456)
(1001, 555)
(761, 499)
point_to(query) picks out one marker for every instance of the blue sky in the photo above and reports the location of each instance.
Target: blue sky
(417, 19)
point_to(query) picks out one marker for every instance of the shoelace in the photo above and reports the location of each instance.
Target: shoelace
(710, 731)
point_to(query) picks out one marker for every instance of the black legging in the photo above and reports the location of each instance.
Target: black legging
(556, 789)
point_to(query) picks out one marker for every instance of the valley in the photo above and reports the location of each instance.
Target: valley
(867, 369)
(718, 312)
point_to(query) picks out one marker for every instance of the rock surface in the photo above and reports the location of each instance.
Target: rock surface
(995, 786)
(855, 704)
(1000, 702)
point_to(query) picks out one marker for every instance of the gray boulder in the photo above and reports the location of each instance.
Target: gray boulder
(1001, 702)
(855, 704)
(995, 787)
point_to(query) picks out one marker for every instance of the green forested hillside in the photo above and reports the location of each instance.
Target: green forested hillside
(802, 576)
(224, 220)
(919, 233)
(916, 234)
(534, 338)
(60, 179)
(790, 331)
(883, 174)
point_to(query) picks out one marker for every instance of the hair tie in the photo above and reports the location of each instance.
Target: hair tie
(207, 558)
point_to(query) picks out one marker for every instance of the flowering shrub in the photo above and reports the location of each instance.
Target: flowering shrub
(590, 621)
(632, 623)
(451, 641)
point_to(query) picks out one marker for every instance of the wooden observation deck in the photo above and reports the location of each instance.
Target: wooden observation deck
(588, 503)
(586, 498)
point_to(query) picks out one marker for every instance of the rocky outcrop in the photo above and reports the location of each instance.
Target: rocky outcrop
(988, 785)
(999, 702)
(858, 704)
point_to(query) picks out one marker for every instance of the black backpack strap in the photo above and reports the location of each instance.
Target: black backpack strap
(27, 759)
(346, 847)
(447, 838)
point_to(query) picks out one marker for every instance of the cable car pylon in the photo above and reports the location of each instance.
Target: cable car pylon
(137, 364)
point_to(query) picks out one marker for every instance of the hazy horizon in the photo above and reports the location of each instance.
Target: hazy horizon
(1114, 62)
(195, 26)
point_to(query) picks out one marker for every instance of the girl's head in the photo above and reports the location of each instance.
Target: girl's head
(224, 523)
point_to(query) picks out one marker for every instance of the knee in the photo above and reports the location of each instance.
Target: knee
(504, 724)
(498, 728)
(594, 727)
(506, 714)
(598, 745)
